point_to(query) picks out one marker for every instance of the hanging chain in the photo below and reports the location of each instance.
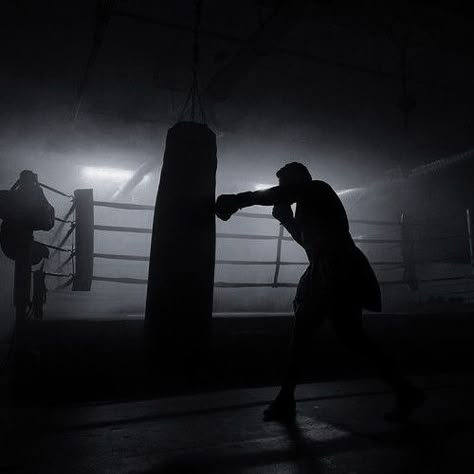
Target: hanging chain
(196, 53)
(193, 95)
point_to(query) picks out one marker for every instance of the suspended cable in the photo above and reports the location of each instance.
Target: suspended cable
(104, 10)
(193, 96)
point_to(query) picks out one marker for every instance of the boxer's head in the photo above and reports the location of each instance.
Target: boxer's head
(293, 174)
(28, 179)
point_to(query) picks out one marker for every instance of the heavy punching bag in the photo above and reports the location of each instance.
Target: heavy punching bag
(181, 272)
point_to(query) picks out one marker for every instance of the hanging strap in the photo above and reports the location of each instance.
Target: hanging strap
(193, 95)
(104, 9)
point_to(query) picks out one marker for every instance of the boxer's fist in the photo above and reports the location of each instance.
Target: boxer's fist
(226, 205)
(282, 213)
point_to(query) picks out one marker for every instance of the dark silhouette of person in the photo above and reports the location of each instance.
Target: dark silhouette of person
(29, 211)
(338, 283)
(24, 209)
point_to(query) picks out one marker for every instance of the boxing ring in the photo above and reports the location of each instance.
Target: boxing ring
(74, 261)
(72, 227)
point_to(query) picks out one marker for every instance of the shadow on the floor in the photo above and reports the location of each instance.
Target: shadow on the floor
(296, 452)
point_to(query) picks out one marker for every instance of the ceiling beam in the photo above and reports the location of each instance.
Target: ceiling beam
(261, 42)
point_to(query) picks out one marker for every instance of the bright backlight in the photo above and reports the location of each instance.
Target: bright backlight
(108, 174)
(349, 191)
(262, 186)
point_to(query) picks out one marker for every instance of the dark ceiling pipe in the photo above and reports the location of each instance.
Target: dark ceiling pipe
(103, 14)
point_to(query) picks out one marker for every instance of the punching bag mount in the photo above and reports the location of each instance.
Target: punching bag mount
(193, 97)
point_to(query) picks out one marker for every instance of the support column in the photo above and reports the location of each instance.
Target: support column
(408, 251)
(21, 300)
(22, 284)
(470, 238)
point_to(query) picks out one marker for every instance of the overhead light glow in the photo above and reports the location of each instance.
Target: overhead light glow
(262, 186)
(345, 192)
(108, 174)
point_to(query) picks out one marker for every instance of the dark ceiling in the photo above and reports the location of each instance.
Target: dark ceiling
(354, 89)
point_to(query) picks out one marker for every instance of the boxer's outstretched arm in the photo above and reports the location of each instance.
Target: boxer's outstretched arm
(269, 197)
(279, 197)
(228, 204)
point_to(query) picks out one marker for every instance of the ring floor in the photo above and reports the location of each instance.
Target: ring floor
(89, 405)
(339, 428)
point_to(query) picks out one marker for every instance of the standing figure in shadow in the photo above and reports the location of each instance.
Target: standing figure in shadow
(28, 210)
(24, 209)
(338, 283)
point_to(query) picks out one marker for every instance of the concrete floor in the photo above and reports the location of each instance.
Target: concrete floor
(84, 360)
(339, 429)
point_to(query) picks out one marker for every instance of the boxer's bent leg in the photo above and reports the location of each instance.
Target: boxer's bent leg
(307, 322)
(347, 323)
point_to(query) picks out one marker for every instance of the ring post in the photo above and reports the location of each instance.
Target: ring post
(22, 284)
(408, 253)
(469, 237)
(84, 236)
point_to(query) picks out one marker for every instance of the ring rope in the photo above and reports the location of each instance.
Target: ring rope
(125, 206)
(58, 275)
(256, 215)
(67, 235)
(65, 285)
(138, 281)
(111, 256)
(54, 190)
(63, 264)
(64, 221)
(111, 228)
(222, 284)
(144, 258)
(220, 235)
(58, 249)
(61, 225)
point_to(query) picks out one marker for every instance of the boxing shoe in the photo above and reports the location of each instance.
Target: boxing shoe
(406, 403)
(280, 409)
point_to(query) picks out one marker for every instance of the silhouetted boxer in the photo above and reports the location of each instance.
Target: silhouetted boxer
(338, 283)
